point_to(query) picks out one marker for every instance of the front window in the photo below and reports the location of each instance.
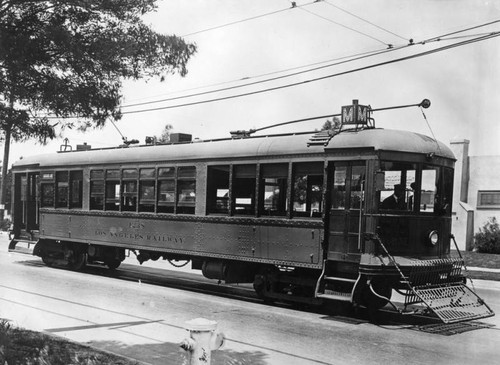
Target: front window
(414, 187)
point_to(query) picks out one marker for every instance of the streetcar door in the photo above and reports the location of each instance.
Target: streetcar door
(346, 184)
(26, 204)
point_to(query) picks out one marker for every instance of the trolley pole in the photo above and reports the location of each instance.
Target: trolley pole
(202, 340)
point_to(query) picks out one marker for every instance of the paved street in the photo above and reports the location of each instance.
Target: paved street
(145, 321)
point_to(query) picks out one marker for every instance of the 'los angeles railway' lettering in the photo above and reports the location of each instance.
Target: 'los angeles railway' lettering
(140, 236)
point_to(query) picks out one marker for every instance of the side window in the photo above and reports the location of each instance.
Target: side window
(112, 190)
(96, 189)
(147, 190)
(186, 189)
(273, 187)
(308, 189)
(62, 190)
(75, 189)
(129, 190)
(428, 189)
(166, 189)
(47, 189)
(243, 189)
(218, 189)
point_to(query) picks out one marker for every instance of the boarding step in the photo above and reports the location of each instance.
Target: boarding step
(335, 278)
(452, 303)
(335, 295)
(22, 245)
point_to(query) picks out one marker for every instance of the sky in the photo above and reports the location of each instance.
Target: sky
(247, 41)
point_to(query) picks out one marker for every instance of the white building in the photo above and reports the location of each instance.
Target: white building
(476, 195)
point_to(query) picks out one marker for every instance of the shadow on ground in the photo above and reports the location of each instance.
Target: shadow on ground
(171, 354)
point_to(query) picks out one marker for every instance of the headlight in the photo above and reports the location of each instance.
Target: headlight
(433, 238)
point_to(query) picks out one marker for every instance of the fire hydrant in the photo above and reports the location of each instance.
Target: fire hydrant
(202, 340)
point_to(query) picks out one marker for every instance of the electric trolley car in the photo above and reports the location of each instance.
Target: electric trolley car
(305, 217)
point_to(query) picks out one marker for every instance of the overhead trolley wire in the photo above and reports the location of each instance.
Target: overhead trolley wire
(345, 26)
(244, 20)
(362, 19)
(417, 55)
(352, 58)
(460, 31)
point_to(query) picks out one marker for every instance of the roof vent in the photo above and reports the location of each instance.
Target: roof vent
(180, 137)
(83, 147)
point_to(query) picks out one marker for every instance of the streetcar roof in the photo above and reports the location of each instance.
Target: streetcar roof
(253, 147)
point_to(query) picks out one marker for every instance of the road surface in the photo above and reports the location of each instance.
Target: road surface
(140, 312)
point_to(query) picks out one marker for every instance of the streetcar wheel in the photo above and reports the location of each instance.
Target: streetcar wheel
(112, 264)
(78, 261)
(47, 260)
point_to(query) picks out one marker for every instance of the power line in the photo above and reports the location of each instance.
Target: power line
(417, 55)
(460, 31)
(345, 26)
(351, 58)
(244, 20)
(364, 20)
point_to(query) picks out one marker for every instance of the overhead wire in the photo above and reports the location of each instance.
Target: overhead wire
(417, 55)
(362, 19)
(246, 19)
(345, 26)
(346, 59)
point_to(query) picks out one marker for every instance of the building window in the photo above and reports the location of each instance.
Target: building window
(488, 199)
(218, 189)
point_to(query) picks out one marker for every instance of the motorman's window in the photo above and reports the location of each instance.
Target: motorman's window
(62, 189)
(186, 189)
(129, 190)
(166, 190)
(398, 180)
(147, 190)
(75, 189)
(96, 189)
(307, 189)
(243, 189)
(218, 189)
(47, 189)
(112, 190)
(273, 187)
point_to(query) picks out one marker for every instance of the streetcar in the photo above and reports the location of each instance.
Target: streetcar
(319, 217)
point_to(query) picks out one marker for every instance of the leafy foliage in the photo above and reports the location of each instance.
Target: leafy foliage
(165, 134)
(332, 125)
(69, 57)
(488, 238)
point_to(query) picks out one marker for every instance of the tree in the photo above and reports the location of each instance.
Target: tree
(332, 125)
(62, 63)
(165, 135)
